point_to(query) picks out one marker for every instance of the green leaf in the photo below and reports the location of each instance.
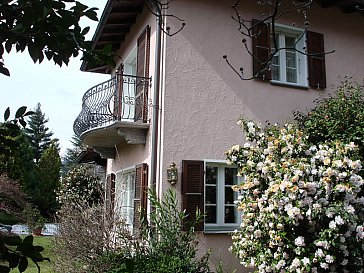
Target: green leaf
(13, 240)
(28, 240)
(7, 114)
(38, 248)
(29, 113)
(23, 264)
(91, 14)
(33, 52)
(23, 122)
(4, 70)
(85, 30)
(8, 46)
(20, 112)
(13, 259)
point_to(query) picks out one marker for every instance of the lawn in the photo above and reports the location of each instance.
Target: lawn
(45, 267)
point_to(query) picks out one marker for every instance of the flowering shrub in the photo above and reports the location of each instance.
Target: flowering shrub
(301, 205)
(339, 116)
(79, 184)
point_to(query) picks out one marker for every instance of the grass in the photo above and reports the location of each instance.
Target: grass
(45, 267)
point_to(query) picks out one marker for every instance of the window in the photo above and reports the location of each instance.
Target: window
(288, 65)
(126, 183)
(207, 187)
(220, 210)
(131, 193)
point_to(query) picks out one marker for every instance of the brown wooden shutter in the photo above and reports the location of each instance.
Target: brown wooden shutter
(141, 92)
(316, 63)
(261, 49)
(193, 189)
(140, 195)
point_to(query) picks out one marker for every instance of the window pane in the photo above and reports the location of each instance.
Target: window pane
(292, 75)
(211, 175)
(210, 214)
(210, 195)
(291, 61)
(229, 195)
(290, 41)
(231, 176)
(230, 214)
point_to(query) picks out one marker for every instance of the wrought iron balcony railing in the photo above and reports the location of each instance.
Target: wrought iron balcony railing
(122, 98)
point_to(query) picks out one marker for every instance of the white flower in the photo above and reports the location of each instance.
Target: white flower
(280, 264)
(324, 265)
(329, 259)
(332, 224)
(306, 261)
(299, 241)
(338, 220)
(319, 253)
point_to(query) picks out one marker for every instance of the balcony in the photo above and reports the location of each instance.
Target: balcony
(114, 112)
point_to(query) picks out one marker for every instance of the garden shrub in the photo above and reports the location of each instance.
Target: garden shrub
(340, 116)
(163, 247)
(92, 239)
(300, 203)
(80, 184)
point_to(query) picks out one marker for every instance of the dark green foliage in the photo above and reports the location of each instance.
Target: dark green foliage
(39, 135)
(168, 247)
(15, 252)
(46, 29)
(340, 116)
(49, 168)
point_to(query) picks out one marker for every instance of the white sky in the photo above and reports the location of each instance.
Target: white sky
(59, 90)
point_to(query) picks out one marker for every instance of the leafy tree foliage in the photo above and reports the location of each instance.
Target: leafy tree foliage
(46, 28)
(339, 116)
(39, 135)
(80, 184)
(14, 251)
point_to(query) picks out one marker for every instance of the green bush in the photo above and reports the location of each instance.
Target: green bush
(163, 247)
(340, 116)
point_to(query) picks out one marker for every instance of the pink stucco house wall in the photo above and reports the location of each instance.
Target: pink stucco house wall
(181, 101)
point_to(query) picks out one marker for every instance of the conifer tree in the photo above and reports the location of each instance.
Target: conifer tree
(39, 134)
(49, 168)
(68, 160)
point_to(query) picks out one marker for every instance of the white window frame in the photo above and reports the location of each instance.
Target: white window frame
(301, 59)
(220, 226)
(125, 201)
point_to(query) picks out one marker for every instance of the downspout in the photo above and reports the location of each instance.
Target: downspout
(157, 78)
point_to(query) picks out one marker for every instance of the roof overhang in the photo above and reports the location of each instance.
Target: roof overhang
(119, 15)
(90, 156)
(115, 23)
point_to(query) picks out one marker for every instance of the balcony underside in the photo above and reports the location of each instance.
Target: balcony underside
(104, 138)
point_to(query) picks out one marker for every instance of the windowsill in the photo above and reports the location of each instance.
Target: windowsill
(226, 229)
(289, 84)
(218, 231)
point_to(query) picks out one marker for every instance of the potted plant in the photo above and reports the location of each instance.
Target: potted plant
(34, 220)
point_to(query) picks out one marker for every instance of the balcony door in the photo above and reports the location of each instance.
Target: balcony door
(128, 84)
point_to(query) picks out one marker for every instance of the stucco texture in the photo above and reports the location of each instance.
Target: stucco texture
(203, 98)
